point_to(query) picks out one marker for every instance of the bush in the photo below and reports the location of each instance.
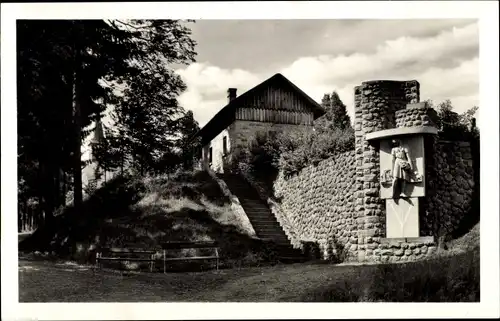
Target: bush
(268, 152)
(306, 148)
(259, 157)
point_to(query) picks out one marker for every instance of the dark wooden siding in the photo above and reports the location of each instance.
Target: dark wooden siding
(274, 116)
(277, 105)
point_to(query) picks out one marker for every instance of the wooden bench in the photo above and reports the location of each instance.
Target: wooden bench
(190, 245)
(124, 255)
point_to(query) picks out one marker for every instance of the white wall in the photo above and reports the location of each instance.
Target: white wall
(217, 151)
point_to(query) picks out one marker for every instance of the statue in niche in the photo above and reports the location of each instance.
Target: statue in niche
(403, 171)
(402, 168)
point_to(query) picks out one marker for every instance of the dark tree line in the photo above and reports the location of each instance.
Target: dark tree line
(69, 73)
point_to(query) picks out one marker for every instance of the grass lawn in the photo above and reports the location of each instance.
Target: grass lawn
(444, 279)
(41, 281)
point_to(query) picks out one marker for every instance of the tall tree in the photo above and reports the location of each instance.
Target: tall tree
(191, 149)
(148, 117)
(60, 63)
(67, 74)
(336, 113)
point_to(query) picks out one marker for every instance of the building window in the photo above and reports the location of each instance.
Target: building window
(224, 145)
(210, 155)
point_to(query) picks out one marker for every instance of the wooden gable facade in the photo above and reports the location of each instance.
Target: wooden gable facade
(275, 104)
(275, 100)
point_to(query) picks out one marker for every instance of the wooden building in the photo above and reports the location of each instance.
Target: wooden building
(275, 104)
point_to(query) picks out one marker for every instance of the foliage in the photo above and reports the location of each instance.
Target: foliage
(264, 151)
(150, 126)
(59, 65)
(269, 152)
(336, 114)
(304, 148)
(69, 72)
(453, 125)
(332, 134)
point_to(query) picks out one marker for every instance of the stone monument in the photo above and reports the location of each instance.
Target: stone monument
(402, 174)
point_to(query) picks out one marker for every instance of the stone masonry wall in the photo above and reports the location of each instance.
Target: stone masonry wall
(319, 203)
(416, 117)
(376, 104)
(336, 204)
(454, 185)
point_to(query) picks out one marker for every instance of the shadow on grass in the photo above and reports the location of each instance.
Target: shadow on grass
(444, 279)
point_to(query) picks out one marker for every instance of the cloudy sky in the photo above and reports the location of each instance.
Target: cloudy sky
(321, 56)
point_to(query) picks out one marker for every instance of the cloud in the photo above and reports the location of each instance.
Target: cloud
(445, 63)
(389, 60)
(257, 45)
(207, 88)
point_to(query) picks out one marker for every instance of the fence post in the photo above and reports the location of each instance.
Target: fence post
(164, 263)
(217, 259)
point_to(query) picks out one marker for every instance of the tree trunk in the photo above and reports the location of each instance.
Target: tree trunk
(20, 214)
(64, 189)
(121, 165)
(77, 169)
(57, 187)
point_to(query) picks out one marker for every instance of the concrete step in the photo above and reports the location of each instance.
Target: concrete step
(250, 206)
(252, 201)
(261, 215)
(267, 226)
(270, 233)
(257, 212)
(257, 206)
(273, 224)
(272, 236)
(262, 219)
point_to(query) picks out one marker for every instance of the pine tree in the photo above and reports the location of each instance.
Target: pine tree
(68, 71)
(339, 117)
(191, 150)
(336, 114)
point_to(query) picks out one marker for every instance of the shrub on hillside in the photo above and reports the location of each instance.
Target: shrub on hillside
(268, 152)
(305, 148)
(259, 157)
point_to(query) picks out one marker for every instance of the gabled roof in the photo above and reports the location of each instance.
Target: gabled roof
(214, 125)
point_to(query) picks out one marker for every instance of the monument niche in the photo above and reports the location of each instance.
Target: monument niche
(402, 176)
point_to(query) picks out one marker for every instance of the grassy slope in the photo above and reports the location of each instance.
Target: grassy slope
(443, 279)
(132, 212)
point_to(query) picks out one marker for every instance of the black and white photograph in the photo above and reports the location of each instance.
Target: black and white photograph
(167, 158)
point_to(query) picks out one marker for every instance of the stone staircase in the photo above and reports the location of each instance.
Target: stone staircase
(262, 219)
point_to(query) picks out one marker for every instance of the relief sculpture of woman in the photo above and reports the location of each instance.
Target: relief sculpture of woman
(401, 168)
